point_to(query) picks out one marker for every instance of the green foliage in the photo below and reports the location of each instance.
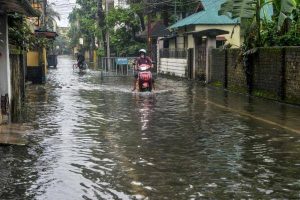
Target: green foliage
(250, 11)
(124, 24)
(83, 23)
(21, 35)
(217, 84)
(52, 15)
(272, 37)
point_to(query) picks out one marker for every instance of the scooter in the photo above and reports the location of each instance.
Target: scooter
(145, 79)
(82, 65)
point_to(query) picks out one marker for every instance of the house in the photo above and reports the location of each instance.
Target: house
(7, 75)
(37, 56)
(185, 53)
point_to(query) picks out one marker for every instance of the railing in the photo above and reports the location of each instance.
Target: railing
(116, 66)
(172, 53)
(119, 67)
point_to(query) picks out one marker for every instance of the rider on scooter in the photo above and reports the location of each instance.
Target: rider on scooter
(80, 59)
(141, 60)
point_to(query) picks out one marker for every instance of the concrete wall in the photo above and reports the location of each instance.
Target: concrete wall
(37, 66)
(191, 41)
(172, 43)
(180, 42)
(5, 85)
(173, 66)
(218, 66)
(33, 58)
(292, 74)
(17, 65)
(267, 71)
(235, 40)
(236, 79)
(274, 73)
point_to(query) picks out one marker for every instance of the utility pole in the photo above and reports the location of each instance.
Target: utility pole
(149, 34)
(45, 14)
(175, 11)
(107, 32)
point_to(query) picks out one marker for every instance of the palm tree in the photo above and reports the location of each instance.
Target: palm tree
(50, 17)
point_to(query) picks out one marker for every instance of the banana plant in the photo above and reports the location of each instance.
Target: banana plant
(286, 8)
(248, 9)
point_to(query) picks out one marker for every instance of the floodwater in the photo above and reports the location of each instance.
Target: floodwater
(96, 139)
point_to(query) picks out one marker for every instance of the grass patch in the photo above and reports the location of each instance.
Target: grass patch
(218, 84)
(265, 94)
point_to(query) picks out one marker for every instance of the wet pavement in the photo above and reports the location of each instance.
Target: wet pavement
(96, 139)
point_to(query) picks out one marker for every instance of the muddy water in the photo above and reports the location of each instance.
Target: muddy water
(95, 139)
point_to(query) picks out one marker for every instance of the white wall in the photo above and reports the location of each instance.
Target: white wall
(235, 40)
(121, 4)
(5, 85)
(173, 66)
(180, 42)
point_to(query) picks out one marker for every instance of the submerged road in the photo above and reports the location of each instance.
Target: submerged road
(96, 139)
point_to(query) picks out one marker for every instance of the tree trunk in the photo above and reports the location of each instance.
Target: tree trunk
(165, 16)
(101, 22)
(258, 38)
(142, 20)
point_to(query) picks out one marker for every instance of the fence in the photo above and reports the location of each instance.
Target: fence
(117, 66)
(120, 67)
(273, 72)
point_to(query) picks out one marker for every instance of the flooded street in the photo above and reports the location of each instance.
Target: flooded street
(96, 139)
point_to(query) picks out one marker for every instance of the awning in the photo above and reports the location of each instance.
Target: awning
(47, 34)
(168, 37)
(18, 6)
(208, 32)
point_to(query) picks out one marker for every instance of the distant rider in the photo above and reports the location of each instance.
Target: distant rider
(141, 60)
(80, 60)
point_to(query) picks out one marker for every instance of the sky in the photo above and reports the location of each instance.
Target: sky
(63, 7)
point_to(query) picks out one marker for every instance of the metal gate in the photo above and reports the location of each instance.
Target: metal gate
(117, 66)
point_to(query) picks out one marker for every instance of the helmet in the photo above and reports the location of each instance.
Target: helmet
(142, 51)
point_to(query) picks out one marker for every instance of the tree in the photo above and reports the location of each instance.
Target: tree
(51, 16)
(252, 9)
(124, 24)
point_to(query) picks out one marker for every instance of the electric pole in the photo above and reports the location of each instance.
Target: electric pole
(45, 14)
(107, 32)
(175, 11)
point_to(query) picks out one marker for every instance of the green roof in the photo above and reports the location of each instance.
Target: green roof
(209, 16)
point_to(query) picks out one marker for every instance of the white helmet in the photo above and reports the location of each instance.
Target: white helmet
(142, 51)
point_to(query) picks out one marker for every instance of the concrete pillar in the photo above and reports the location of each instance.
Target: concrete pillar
(5, 84)
(211, 43)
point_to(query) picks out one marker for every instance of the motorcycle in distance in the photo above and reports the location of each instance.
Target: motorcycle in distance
(81, 66)
(145, 79)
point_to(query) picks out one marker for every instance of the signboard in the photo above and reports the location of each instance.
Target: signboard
(122, 61)
(81, 41)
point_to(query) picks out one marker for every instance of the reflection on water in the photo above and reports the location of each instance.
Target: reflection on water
(95, 139)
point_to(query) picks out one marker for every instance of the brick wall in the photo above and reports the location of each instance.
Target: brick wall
(17, 82)
(267, 71)
(274, 74)
(292, 74)
(217, 68)
(236, 79)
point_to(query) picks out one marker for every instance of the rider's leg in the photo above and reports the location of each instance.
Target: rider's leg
(135, 81)
(153, 84)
